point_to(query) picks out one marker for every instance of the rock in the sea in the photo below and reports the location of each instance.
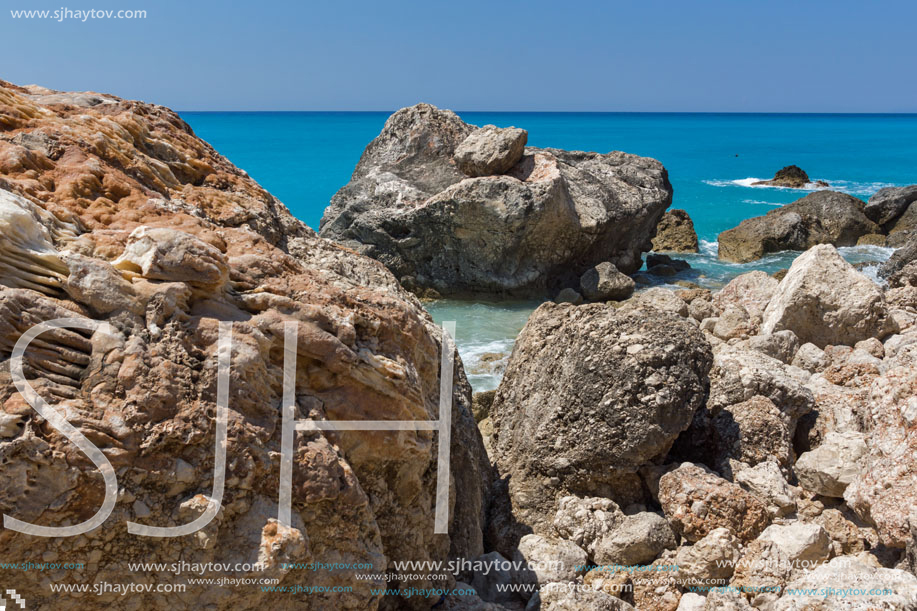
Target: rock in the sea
(490, 150)
(824, 217)
(590, 395)
(905, 257)
(697, 501)
(88, 180)
(825, 301)
(890, 203)
(541, 225)
(791, 176)
(605, 283)
(675, 233)
(831, 467)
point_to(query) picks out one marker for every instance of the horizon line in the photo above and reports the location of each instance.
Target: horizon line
(574, 112)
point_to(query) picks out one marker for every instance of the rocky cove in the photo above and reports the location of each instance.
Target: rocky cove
(758, 433)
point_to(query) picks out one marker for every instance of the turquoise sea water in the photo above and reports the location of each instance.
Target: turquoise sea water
(304, 158)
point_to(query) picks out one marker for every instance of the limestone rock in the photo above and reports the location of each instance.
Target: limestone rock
(201, 244)
(492, 584)
(869, 588)
(804, 544)
(811, 358)
(637, 539)
(890, 203)
(762, 572)
(751, 291)
(781, 345)
(697, 501)
(831, 467)
(605, 283)
(541, 225)
(823, 217)
(766, 481)
(824, 300)
(561, 597)
(675, 233)
(544, 560)
(490, 150)
(590, 395)
(660, 299)
(710, 560)
(753, 432)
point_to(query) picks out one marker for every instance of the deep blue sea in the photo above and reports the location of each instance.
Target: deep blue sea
(304, 158)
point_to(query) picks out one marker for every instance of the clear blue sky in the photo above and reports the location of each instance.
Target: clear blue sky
(613, 55)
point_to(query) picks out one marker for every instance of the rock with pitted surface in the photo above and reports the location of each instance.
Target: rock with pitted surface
(872, 588)
(890, 203)
(792, 176)
(490, 150)
(114, 211)
(825, 301)
(824, 217)
(828, 469)
(898, 270)
(675, 233)
(538, 226)
(590, 395)
(697, 501)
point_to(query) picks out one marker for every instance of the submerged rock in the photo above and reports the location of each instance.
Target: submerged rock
(824, 217)
(675, 233)
(540, 225)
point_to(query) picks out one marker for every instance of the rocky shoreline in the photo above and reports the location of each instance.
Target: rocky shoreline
(658, 450)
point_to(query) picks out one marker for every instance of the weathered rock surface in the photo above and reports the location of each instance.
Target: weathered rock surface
(90, 181)
(824, 300)
(823, 217)
(490, 150)
(697, 501)
(804, 544)
(831, 467)
(675, 233)
(867, 587)
(590, 395)
(542, 224)
(605, 283)
(890, 203)
(791, 176)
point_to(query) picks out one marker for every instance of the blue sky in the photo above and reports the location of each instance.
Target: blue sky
(607, 55)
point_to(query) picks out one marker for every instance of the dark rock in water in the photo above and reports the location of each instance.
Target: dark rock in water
(605, 283)
(824, 217)
(907, 222)
(590, 395)
(569, 295)
(890, 203)
(540, 226)
(780, 274)
(791, 176)
(491, 150)
(675, 233)
(654, 260)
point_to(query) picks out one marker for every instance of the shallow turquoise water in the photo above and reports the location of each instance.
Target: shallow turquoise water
(304, 158)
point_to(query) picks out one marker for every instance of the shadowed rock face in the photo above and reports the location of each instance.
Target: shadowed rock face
(114, 211)
(539, 225)
(791, 176)
(824, 217)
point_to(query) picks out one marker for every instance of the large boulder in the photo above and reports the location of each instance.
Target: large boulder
(675, 233)
(890, 203)
(590, 395)
(823, 217)
(197, 243)
(604, 283)
(490, 150)
(825, 301)
(548, 219)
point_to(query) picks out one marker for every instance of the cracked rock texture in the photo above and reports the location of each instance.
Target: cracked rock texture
(113, 210)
